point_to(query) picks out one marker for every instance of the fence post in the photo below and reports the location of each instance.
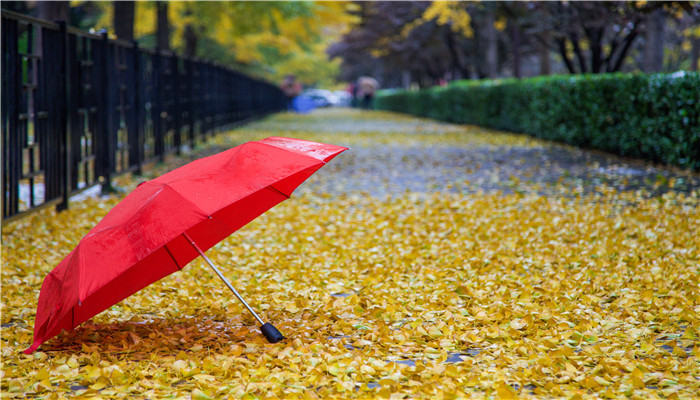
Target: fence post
(138, 152)
(157, 109)
(65, 140)
(11, 93)
(177, 103)
(104, 136)
(190, 102)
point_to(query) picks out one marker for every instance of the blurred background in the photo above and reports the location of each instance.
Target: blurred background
(327, 45)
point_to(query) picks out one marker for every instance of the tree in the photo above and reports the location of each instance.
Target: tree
(589, 36)
(191, 34)
(431, 42)
(683, 42)
(53, 10)
(695, 52)
(400, 41)
(266, 39)
(457, 16)
(17, 6)
(596, 37)
(654, 35)
(272, 38)
(544, 54)
(490, 43)
(163, 28)
(124, 19)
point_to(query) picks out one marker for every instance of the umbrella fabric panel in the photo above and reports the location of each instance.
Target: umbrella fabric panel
(228, 220)
(288, 185)
(148, 198)
(107, 254)
(156, 266)
(212, 230)
(250, 168)
(129, 282)
(55, 289)
(320, 151)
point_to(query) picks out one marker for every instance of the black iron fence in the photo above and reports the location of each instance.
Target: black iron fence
(79, 108)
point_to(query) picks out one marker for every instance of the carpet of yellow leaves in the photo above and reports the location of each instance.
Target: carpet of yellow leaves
(432, 294)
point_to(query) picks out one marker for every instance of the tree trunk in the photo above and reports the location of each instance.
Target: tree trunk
(627, 45)
(655, 37)
(456, 62)
(561, 43)
(695, 54)
(543, 50)
(595, 40)
(491, 44)
(123, 21)
(515, 35)
(406, 79)
(191, 41)
(53, 10)
(580, 56)
(163, 30)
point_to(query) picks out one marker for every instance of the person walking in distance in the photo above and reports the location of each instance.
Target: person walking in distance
(291, 89)
(367, 86)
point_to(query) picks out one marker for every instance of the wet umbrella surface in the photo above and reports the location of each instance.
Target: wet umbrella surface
(165, 223)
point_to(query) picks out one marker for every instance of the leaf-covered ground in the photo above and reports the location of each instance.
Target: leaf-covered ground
(429, 261)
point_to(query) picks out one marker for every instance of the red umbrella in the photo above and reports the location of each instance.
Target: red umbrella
(167, 222)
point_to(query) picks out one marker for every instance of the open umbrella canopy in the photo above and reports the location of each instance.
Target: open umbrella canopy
(159, 227)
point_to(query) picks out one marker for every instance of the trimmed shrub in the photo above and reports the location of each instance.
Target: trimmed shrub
(654, 117)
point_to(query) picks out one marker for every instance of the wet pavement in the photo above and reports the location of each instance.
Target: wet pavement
(392, 156)
(394, 169)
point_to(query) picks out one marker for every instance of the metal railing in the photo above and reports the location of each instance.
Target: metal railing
(79, 108)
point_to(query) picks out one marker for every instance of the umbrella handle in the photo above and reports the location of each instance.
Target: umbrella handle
(271, 333)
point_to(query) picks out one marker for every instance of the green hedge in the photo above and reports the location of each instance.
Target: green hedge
(654, 117)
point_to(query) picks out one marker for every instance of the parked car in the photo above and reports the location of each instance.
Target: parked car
(344, 98)
(321, 97)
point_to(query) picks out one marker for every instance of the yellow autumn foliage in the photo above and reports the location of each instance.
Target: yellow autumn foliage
(450, 13)
(269, 37)
(454, 292)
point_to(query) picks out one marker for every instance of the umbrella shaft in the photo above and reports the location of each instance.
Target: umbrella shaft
(223, 278)
(235, 292)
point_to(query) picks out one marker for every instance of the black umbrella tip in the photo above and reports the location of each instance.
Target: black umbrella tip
(271, 333)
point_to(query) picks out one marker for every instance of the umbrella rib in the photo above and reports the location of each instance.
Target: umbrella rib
(274, 189)
(173, 258)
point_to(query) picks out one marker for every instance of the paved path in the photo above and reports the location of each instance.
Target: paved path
(334, 274)
(392, 153)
